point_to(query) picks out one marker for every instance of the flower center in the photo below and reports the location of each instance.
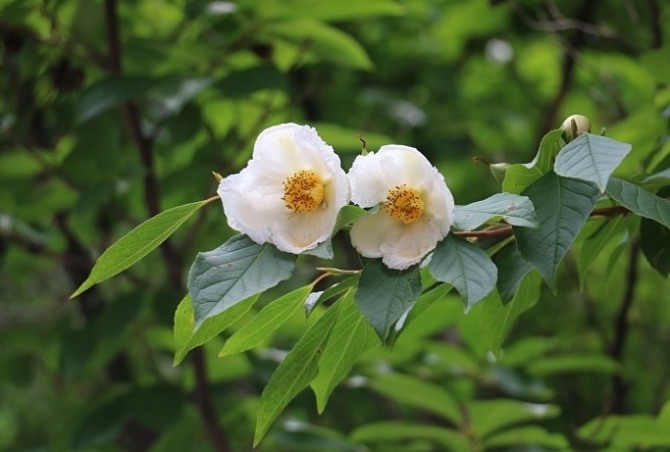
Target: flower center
(404, 203)
(303, 192)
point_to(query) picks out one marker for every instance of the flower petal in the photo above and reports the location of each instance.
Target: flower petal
(253, 199)
(371, 231)
(408, 248)
(250, 211)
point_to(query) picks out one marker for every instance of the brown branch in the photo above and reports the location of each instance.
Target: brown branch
(506, 230)
(568, 68)
(656, 28)
(621, 328)
(171, 258)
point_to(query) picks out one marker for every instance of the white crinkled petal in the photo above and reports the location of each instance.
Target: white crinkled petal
(252, 199)
(250, 211)
(304, 231)
(369, 182)
(439, 203)
(370, 232)
(373, 175)
(410, 246)
(377, 235)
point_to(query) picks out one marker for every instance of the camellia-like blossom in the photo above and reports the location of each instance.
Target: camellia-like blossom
(415, 207)
(290, 192)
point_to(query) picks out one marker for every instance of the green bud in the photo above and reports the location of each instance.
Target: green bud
(574, 126)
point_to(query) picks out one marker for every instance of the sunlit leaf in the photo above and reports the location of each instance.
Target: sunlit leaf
(562, 207)
(239, 268)
(351, 336)
(417, 393)
(393, 432)
(520, 176)
(526, 436)
(266, 322)
(342, 10)
(591, 158)
(295, 372)
(514, 209)
(488, 416)
(630, 432)
(186, 338)
(496, 320)
(138, 243)
(574, 364)
(325, 41)
(384, 295)
(464, 266)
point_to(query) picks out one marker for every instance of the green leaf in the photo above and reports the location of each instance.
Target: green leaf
(577, 364)
(640, 201)
(109, 93)
(655, 245)
(351, 336)
(417, 393)
(316, 298)
(514, 209)
(348, 216)
(295, 372)
(657, 62)
(520, 176)
(523, 437)
(341, 10)
(239, 268)
(604, 236)
(138, 243)
(512, 269)
(562, 207)
(323, 251)
(266, 322)
(488, 416)
(591, 158)
(384, 295)
(396, 432)
(496, 320)
(631, 432)
(464, 266)
(239, 84)
(186, 339)
(326, 42)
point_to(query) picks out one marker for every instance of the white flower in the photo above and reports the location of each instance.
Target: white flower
(415, 206)
(290, 192)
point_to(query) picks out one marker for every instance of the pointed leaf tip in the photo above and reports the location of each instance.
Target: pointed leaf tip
(591, 158)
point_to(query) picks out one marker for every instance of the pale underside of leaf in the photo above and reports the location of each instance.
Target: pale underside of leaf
(236, 270)
(591, 158)
(466, 267)
(514, 209)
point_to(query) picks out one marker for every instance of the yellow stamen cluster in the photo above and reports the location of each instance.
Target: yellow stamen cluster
(404, 203)
(303, 191)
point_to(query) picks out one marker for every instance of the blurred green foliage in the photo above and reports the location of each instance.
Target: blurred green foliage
(112, 111)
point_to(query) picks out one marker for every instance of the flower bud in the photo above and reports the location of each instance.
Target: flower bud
(574, 126)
